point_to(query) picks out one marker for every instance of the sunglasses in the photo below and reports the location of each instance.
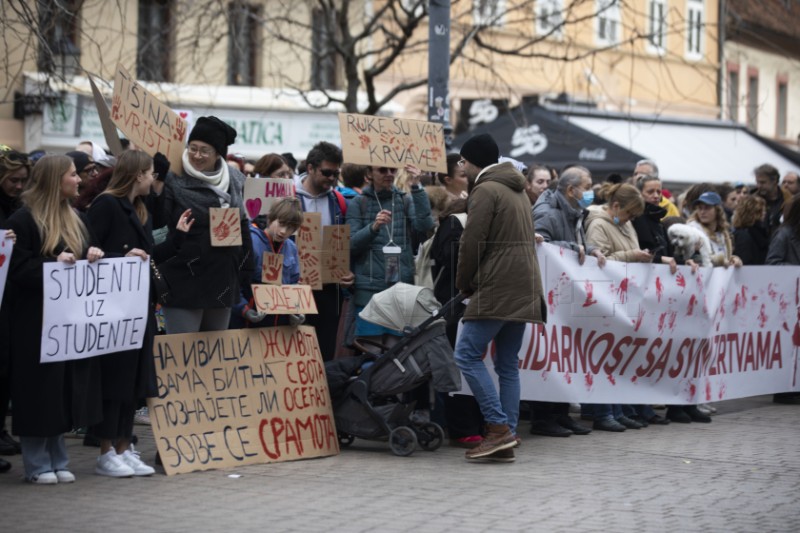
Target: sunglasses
(329, 172)
(386, 170)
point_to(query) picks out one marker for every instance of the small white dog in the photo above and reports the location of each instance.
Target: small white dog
(688, 241)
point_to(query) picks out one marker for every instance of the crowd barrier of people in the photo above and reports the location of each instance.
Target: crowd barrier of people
(87, 204)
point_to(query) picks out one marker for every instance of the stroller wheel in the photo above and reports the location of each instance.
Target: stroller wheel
(430, 436)
(345, 439)
(403, 441)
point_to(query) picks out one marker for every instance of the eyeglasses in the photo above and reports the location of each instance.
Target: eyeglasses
(329, 172)
(202, 152)
(91, 170)
(462, 162)
(386, 170)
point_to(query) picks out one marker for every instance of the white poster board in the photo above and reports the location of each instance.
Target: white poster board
(94, 308)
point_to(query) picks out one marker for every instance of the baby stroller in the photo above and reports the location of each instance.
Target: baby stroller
(367, 391)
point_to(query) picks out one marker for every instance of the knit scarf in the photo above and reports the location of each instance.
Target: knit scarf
(220, 179)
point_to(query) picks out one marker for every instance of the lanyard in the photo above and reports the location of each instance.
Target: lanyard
(380, 206)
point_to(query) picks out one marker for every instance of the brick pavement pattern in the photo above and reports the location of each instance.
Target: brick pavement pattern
(739, 473)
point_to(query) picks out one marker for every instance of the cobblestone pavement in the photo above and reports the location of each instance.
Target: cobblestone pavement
(739, 473)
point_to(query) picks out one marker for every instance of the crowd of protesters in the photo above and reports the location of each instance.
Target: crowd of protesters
(88, 205)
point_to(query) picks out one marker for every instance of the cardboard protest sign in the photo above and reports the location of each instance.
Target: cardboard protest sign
(109, 129)
(392, 142)
(633, 333)
(335, 252)
(6, 247)
(238, 397)
(272, 268)
(225, 226)
(309, 250)
(261, 193)
(284, 299)
(148, 123)
(94, 308)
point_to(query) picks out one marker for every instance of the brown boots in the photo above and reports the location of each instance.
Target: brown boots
(498, 439)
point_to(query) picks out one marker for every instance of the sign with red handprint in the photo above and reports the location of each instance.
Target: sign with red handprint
(309, 248)
(146, 121)
(272, 268)
(335, 252)
(225, 226)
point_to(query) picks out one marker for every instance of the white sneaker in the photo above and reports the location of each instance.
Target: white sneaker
(65, 476)
(142, 417)
(45, 478)
(131, 458)
(110, 464)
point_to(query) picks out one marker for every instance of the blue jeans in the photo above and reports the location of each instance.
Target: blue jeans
(606, 411)
(502, 408)
(43, 454)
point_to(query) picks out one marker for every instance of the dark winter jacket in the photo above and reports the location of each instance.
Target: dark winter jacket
(497, 264)
(202, 276)
(367, 246)
(559, 222)
(651, 233)
(784, 248)
(48, 398)
(751, 244)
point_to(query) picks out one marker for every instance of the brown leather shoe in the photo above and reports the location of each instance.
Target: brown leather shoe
(503, 456)
(498, 437)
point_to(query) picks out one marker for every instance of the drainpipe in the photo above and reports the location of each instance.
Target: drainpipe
(721, 78)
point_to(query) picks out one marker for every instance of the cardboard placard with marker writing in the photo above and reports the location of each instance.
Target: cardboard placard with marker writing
(392, 142)
(261, 193)
(225, 226)
(335, 252)
(284, 299)
(239, 397)
(147, 122)
(309, 250)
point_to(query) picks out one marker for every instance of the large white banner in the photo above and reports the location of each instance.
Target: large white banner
(6, 247)
(94, 308)
(634, 333)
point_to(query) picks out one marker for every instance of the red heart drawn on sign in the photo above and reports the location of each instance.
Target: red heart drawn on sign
(253, 207)
(183, 114)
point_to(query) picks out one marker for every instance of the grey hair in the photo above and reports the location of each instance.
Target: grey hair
(652, 165)
(572, 177)
(645, 178)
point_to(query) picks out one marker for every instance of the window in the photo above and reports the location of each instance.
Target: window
(550, 18)
(733, 94)
(243, 43)
(694, 28)
(607, 22)
(783, 104)
(323, 58)
(154, 47)
(59, 24)
(657, 25)
(489, 12)
(752, 100)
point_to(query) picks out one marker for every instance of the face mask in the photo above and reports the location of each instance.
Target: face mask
(615, 220)
(587, 199)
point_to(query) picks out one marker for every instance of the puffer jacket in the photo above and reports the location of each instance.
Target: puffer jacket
(497, 263)
(559, 222)
(366, 246)
(618, 243)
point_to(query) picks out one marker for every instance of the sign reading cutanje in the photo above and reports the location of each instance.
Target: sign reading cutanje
(94, 308)
(238, 397)
(392, 142)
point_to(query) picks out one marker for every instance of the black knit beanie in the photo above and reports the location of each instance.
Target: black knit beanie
(215, 132)
(481, 150)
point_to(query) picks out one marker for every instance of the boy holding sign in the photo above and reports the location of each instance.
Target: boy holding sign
(276, 259)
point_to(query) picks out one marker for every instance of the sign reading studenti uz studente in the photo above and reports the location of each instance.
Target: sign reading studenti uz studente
(239, 397)
(94, 308)
(634, 333)
(392, 142)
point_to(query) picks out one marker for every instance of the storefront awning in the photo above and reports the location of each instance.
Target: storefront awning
(533, 134)
(688, 151)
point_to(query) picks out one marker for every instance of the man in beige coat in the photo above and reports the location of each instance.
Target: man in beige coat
(498, 271)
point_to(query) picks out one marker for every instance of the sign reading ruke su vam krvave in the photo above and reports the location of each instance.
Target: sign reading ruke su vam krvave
(148, 123)
(392, 142)
(94, 308)
(239, 397)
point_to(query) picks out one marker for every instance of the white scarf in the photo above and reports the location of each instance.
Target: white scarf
(220, 179)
